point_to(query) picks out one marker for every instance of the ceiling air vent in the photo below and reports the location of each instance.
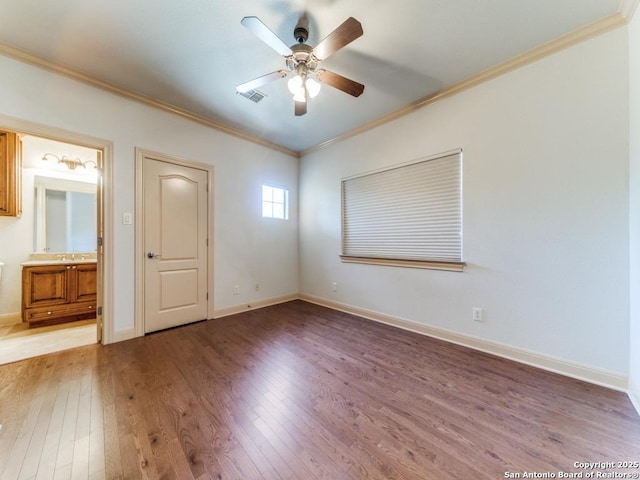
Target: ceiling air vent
(253, 95)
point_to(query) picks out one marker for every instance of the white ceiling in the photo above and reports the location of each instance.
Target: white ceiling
(192, 53)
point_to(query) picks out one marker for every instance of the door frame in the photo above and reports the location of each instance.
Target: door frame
(139, 251)
(105, 324)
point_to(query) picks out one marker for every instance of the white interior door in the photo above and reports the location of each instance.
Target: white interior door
(175, 220)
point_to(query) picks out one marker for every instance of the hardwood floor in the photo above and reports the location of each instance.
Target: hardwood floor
(297, 391)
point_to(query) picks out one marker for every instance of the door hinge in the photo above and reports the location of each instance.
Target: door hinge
(207, 295)
(99, 312)
(99, 241)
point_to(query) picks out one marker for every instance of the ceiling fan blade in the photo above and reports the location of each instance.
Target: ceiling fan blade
(260, 30)
(341, 83)
(341, 36)
(258, 82)
(301, 108)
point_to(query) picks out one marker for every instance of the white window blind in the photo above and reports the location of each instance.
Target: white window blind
(410, 212)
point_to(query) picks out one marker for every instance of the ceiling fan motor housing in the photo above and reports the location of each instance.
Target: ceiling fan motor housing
(302, 54)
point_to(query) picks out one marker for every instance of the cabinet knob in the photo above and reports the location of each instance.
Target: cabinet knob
(68, 268)
(49, 313)
(73, 266)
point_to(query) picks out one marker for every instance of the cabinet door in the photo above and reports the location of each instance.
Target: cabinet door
(10, 175)
(45, 285)
(85, 285)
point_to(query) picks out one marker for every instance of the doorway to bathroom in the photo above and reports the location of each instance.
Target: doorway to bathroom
(50, 252)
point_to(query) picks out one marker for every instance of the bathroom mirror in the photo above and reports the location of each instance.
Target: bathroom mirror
(65, 215)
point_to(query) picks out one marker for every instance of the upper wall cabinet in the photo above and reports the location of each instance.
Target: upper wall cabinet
(10, 175)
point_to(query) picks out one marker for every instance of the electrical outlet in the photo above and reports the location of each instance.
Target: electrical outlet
(478, 314)
(334, 287)
(236, 289)
(257, 287)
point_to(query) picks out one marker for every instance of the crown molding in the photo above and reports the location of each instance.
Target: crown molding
(628, 8)
(587, 32)
(22, 56)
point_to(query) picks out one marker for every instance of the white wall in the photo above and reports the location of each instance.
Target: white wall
(247, 249)
(545, 211)
(634, 217)
(16, 243)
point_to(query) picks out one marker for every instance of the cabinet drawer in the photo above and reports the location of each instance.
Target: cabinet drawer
(43, 313)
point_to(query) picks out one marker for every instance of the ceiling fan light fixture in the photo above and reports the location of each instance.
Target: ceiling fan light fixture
(295, 84)
(313, 87)
(297, 88)
(300, 96)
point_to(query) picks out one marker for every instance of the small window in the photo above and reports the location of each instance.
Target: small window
(409, 215)
(275, 202)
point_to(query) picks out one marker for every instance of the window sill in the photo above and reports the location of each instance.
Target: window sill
(390, 262)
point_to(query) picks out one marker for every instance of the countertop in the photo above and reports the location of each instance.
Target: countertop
(32, 263)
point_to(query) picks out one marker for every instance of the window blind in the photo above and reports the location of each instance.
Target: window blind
(410, 212)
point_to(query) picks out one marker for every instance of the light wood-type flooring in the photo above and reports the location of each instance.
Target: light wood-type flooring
(298, 391)
(18, 341)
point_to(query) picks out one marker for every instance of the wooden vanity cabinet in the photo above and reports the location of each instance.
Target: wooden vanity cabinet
(10, 175)
(58, 293)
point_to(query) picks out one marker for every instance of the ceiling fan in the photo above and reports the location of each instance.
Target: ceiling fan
(302, 60)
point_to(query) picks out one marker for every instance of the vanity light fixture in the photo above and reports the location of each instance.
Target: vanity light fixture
(70, 163)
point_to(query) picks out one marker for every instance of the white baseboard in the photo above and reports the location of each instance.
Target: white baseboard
(634, 395)
(124, 334)
(10, 318)
(557, 365)
(129, 333)
(245, 307)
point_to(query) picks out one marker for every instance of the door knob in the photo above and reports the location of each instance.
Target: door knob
(152, 255)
